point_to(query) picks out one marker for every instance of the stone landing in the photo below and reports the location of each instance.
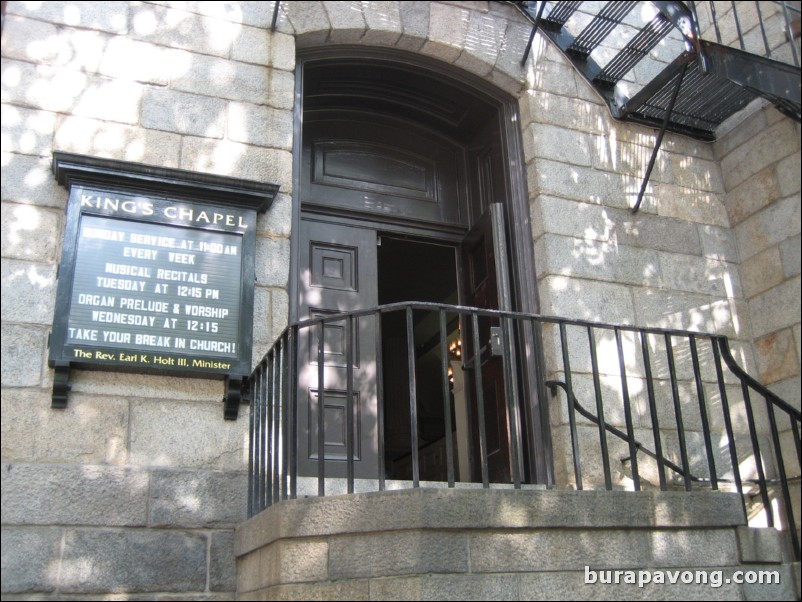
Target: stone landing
(428, 544)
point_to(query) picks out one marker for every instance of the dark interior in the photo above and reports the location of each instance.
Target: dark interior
(412, 270)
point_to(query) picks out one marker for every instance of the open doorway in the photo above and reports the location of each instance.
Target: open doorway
(394, 150)
(411, 270)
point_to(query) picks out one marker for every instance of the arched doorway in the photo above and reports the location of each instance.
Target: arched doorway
(397, 162)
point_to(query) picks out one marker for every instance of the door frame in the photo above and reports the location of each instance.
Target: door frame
(525, 295)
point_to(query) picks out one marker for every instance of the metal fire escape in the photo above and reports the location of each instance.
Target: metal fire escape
(624, 50)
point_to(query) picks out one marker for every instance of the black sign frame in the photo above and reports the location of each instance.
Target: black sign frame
(161, 212)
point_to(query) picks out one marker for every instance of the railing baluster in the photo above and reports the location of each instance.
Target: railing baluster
(537, 337)
(778, 452)
(259, 457)
(286, 383)
(658, 445)
(444, 358)
(480, 399)
(277, 411)
(256, 437)
(380, 398)
(267, 421)
(571, 410)
(268, 418)
(413, 399)
(738, 25)
(795, 428)
(725, 408)
(594, 362)
(633, 449)
(292, 457)
(763, 29)
(251, 433)
(471, 420)
(697, 39)
(321, 405)
(683, 450)
(700, 395)
(535, 26)
(794, 416)
(761, 474)
(511, 388)
(349, 402)
(789, 32)
(714, 18)
(276, 387)
(263, 409)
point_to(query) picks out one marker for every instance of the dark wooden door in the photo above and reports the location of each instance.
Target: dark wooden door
(486, 286)
(337, 274)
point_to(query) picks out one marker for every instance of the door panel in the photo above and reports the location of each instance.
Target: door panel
(380, 165)
(487, 287)
(487, 177)
(338, 274)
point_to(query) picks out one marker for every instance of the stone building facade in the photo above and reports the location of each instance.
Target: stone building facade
(135, 489)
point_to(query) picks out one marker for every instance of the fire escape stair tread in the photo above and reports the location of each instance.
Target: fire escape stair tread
(734, 79)
(705, 100)
(610, 17)
(776, 81)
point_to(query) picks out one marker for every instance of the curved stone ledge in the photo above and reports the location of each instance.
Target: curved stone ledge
(470, 509)
(434, 544)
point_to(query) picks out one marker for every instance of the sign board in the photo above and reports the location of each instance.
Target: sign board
(156, 273)
(151, 283)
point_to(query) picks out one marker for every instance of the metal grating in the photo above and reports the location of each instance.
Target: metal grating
(720, 80)
(637, 48)
(600, 27)
(560, 13)
(705, 100)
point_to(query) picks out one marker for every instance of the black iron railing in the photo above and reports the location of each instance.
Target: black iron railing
(754, 54)
(673, 409)
(748, 19)
(777, 23)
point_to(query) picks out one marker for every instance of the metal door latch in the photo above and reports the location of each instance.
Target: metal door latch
(495, 340)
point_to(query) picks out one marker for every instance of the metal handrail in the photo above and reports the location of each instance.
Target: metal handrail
(580, 409)
(721, 350)
(787, 8)
(274, 387)
(641, 447)
(795, 419)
